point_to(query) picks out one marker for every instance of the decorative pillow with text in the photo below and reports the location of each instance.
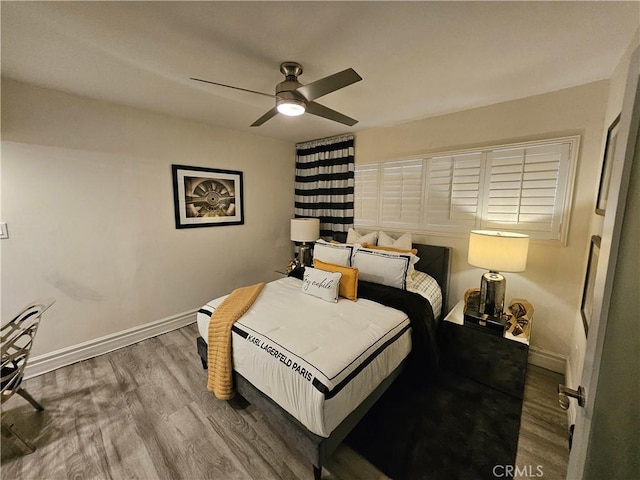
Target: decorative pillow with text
(321, 284)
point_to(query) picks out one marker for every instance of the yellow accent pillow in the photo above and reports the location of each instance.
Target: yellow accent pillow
(348, 281)
(389, 249)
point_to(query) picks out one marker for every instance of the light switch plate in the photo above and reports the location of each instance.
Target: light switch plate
(4, 233)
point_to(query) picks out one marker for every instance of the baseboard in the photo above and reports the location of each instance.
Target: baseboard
(99, 346)
(551, 361)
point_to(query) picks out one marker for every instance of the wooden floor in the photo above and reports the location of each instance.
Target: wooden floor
(144, 412)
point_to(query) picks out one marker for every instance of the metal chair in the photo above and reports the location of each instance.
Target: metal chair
(17, 338)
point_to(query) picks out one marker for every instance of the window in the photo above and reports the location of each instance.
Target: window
(520, 187)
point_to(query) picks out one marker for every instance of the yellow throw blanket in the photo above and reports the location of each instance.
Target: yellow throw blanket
(220, 374)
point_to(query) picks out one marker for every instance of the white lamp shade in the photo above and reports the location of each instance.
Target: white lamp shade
(305, 229)
(498, 251)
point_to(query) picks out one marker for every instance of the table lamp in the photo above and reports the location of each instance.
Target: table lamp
(305, 230)
(496, 251)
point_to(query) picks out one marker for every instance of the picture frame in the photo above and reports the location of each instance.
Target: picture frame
(607, 162)
(207, 197)
(586, 307)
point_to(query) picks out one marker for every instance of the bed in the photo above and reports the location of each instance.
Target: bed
(328, 396)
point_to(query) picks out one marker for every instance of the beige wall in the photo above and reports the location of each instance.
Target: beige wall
(87, 194)
(554, 275)
(617, 85)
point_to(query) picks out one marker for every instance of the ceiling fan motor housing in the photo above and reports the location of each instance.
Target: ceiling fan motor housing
(288, 93)
(285, 90)
(288, 100)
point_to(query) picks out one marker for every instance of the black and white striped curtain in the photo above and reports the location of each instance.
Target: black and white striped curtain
(324, 183)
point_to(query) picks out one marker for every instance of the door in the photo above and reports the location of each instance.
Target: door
(585, 459)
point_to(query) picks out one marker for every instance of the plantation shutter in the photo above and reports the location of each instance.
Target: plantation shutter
(525, 189)
(453, 192)
(401, 189)
(366, 196)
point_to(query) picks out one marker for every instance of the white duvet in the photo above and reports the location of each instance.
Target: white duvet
(317, 360)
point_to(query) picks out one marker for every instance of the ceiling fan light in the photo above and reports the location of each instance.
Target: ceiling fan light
(290, 107)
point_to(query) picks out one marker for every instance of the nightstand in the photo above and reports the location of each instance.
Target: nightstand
(499, 361)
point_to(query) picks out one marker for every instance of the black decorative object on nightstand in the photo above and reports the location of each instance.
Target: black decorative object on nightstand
(499, 361)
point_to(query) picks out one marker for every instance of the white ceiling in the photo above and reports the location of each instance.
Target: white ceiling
(417, 59)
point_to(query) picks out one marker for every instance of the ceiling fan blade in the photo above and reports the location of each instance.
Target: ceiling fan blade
(231, 86)
(329, 84)
(322, 111)
(270, 114)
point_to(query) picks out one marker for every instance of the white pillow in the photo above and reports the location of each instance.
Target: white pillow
(354, 236)
(336, 253)
(321, 284)
(382, 267)
(404, 242)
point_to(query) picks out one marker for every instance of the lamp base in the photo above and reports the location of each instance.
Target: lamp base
(304, 255)
(492, 289)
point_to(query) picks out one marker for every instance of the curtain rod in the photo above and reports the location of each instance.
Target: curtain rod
(334, 137)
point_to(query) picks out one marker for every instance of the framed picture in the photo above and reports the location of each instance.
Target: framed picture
(207, 197)
(586, 309)
(607, 162)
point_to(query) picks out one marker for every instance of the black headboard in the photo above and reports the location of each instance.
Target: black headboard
(340, 237)
(433, 260)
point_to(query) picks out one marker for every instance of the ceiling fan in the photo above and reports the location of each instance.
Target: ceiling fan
(294, 98)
